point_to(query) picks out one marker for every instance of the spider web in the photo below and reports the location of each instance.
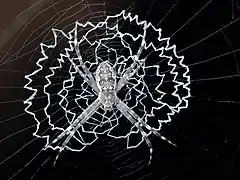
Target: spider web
(206, 69)
(105, 124)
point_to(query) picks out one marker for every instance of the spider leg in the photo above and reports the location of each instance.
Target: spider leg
(133, 69)
(89, 75)
(139, 126)
(135, 116)
(80, 120)
(86, 76)
(144, 135)
(138, 122)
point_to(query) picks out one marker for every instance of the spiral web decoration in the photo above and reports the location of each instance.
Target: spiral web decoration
(139, 60)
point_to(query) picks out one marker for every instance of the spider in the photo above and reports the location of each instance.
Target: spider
(105, 85)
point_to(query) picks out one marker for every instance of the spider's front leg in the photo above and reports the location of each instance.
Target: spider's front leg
(88, 75)
(85, 74)
(133, 69)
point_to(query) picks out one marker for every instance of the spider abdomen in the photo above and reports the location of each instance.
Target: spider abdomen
(106, 82)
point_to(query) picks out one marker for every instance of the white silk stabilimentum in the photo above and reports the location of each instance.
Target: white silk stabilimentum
(114, 86)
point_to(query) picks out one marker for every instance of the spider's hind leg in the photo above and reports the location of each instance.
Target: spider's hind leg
(155, 132)
(127, 112)
(146, 139)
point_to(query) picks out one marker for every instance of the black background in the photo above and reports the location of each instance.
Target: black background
(207, 133)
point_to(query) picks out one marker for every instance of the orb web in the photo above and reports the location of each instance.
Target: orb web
(143, 107)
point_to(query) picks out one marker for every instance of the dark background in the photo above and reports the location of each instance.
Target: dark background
(207, 133)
